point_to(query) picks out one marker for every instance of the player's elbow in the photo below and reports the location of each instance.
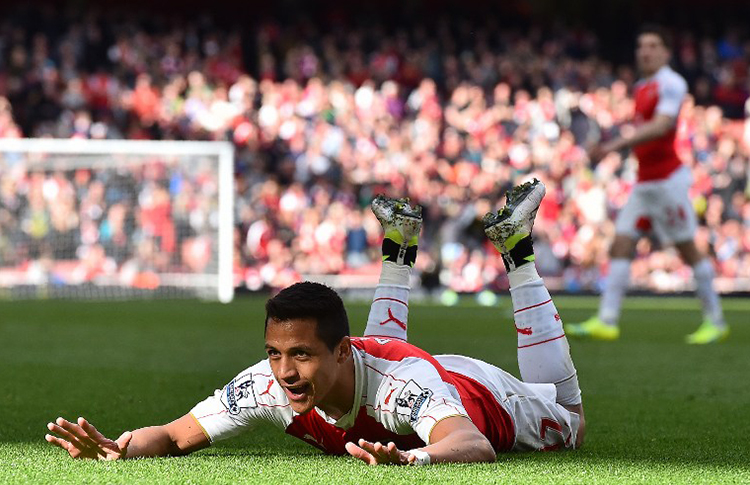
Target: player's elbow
(184, 436)
(185, 445)
(663, 125)
(484, 452)
(663, 130)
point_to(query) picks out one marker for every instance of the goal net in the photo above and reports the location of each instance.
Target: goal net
(116, 219)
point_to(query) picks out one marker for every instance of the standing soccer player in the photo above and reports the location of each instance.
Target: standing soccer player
(659, 201)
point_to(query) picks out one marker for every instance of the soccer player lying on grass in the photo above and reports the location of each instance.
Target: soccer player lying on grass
(377, 397)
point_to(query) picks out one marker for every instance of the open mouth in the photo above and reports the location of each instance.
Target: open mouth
(298, 392)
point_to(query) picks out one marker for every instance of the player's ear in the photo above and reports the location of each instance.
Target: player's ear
(343, 349)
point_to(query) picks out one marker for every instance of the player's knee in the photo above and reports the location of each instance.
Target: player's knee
(689, 252)
(487, 453)
(622, 247)
(581, 432)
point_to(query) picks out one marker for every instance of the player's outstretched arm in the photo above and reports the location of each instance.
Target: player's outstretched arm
(453, 440)
(659, 126)
(82, 440)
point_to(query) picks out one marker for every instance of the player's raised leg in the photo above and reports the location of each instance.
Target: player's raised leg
(543, 351)
(390, 306)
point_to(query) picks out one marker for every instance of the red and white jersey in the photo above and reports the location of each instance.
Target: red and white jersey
(662, 93)
(401, 392)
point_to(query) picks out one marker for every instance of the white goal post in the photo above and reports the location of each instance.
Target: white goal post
(122, 219)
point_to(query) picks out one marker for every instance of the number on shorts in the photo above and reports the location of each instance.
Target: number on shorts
(552, 425)
(676, 216)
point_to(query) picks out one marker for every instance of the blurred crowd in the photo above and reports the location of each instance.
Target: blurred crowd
(450, 114)
(124, 225)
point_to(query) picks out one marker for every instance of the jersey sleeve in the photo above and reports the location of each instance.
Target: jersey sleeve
(246, 400)
(420, 398)
(672, 91)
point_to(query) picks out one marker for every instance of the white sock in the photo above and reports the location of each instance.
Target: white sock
(390, 306)
(614, 289)
(704, 279)
(543, 351)
(522, 275)
(394, 274)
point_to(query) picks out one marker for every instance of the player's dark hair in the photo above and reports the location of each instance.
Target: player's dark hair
(312, 300)
(658, 31)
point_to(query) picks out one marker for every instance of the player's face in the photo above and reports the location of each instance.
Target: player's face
(302, 363)
(651, 53)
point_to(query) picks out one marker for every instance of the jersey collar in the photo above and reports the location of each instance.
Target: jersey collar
(656, 73)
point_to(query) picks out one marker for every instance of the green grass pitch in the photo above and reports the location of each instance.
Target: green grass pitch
(658, 411)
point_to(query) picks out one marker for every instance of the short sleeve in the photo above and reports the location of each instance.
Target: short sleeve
(672, 91)
(241, 404)
(423, 400)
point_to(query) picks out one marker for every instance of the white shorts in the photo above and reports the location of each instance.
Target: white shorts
(661, 206)
(540, 422)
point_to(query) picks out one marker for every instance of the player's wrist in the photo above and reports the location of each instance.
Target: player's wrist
(615, 145)
(421, 457)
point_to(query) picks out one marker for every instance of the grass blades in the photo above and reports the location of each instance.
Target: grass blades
(658, 411)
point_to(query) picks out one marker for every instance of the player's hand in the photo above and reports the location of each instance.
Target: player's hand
(596, 152)
(378, 454)
(83, 440)
(600, 150)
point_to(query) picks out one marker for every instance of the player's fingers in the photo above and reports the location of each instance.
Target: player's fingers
(358, 452)
(103, 445)
(123, 442)
(375, 449)
(366, 445)
(382, 453)
(92, 432)
(68, 437)
(77, 432)
(393, 453)
(62, 432)
(54, 440)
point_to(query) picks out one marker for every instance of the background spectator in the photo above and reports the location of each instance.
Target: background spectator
(449, 111)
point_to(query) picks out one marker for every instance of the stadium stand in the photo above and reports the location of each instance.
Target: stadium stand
(449, 113)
